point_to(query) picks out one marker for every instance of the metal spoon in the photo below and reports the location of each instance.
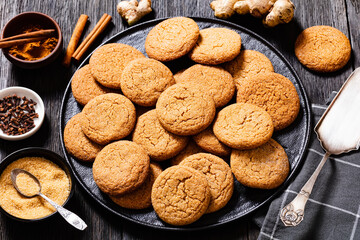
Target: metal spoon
(70, 217)
(338, 132)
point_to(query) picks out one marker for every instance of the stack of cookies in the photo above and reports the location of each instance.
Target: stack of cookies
(138, 115)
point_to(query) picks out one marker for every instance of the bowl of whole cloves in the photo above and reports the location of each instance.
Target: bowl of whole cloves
(22, 113)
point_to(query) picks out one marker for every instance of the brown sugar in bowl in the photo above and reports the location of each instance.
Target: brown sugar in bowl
(42, 153)
(32, 18)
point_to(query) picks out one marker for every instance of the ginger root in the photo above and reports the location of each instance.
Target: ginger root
(223, 8)
(273, 12)
(133, 10)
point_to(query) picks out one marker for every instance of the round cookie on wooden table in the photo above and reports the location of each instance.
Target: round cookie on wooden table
(76, 143)
(144, 79)
(108, 117)
(108, 61)
(185, 110)
(171, 39)
(190, 149)
(216, 46)
(265, 167)
(159, 143)
(140, 198)
(210, 143)
(248, 64)
(274, 93)
(121, 167)
(180, 195)
(84, 87)
(323, 49)
(243, 126)
(211, 79)
(218, 175)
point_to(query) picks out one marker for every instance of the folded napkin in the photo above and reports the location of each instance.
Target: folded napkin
(333, 209)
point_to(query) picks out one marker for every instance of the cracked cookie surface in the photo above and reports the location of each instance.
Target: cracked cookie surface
(76, 143)
(185, 110)
(140, 198)
(144, 79)
(248, 64)
(108, 61)
(323, 49)
(180, 195)
(210, 143)
(274, 93)
(219, 177)
(243, 126)
(215, 46)
(171, 39)
(211, 79)
(108, 117)
(159, 143)
(265, 167)
(84, 87)
(121, 167)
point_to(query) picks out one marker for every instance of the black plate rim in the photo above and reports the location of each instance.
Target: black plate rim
(189, 229)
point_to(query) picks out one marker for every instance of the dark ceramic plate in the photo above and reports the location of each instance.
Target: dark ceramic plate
(294, 138)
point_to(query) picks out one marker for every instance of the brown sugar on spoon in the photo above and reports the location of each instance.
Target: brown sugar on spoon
(323, 49)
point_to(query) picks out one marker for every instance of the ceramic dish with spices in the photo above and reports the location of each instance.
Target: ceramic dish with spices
(22, 113)
(34, 54)
(55, 178)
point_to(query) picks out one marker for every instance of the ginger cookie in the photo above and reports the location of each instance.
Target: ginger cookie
(219, 177)
(185, 110)
(171, 39)
(180, 195)
(243, 126)
(157, 142)
(144, 79)
(108, 61)
(274, 93)
(140, 198)
(190, 149)
(323, 49)
(108, 117)
(248, 64)
(210, 143)
(216, 46)
(211, 79)
(178, 74)
(121, 167)
(84, 86)
(265, 167)
(76, 143)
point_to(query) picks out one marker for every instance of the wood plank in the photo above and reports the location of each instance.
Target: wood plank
(353, 17)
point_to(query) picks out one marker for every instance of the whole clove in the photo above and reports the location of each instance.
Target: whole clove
(17, 115)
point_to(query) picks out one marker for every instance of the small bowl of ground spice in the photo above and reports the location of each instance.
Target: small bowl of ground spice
(22, 113)
(53, 173)
(42, 50)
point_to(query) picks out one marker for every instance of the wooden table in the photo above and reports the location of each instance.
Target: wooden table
(51, 81)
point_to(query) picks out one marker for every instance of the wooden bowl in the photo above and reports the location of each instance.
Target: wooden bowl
(28, 18)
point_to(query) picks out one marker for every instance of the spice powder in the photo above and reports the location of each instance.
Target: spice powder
(55, 184)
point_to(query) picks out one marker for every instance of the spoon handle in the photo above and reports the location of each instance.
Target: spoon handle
(293, 213)
(70, 217)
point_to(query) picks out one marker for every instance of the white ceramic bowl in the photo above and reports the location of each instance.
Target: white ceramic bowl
(39, 109)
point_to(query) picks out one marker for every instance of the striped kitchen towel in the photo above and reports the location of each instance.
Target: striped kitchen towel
(333, 210)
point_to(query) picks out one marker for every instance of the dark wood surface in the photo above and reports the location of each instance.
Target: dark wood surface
(50, 83)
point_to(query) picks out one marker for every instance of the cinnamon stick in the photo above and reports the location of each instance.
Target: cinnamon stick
(11, 43)
(40, 33)
(74, 40)
(90, 39)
